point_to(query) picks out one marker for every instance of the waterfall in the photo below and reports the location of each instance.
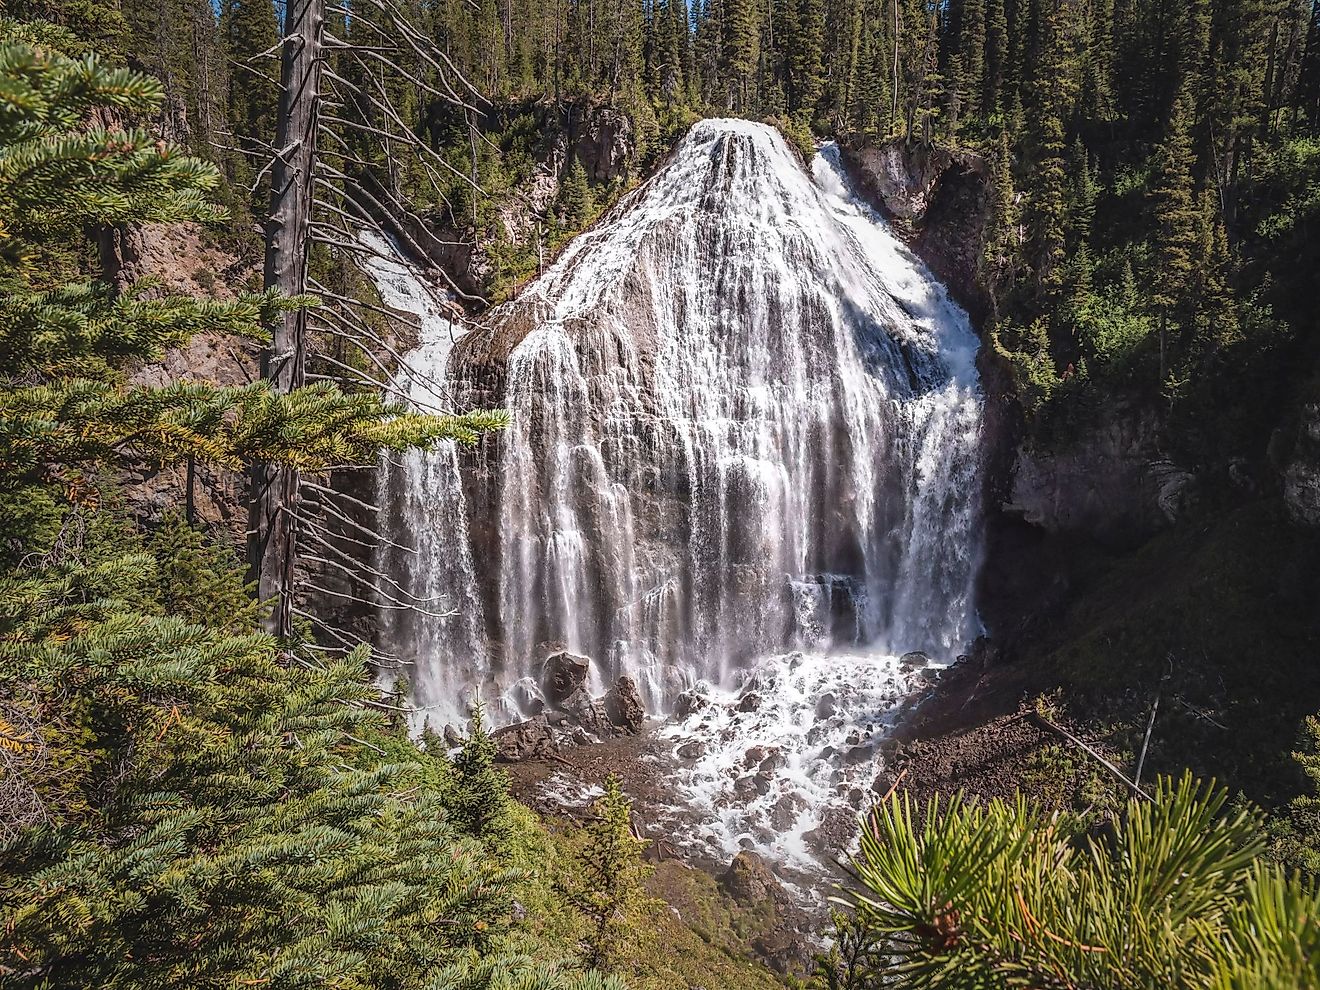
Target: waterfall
(437, 628)
(745, 421)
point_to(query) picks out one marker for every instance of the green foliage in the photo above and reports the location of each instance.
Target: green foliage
(606, 885)
(479, 800)
(1297, 840)
(1174, 895)
(183, 800)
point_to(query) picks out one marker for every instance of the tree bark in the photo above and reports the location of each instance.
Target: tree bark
(271, 531)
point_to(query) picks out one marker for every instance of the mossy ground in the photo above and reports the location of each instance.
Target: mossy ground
(692, 934)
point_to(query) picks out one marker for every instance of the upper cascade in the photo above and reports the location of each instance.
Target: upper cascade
(745, 420)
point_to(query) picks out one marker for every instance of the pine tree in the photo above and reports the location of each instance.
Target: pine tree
(971, 52)
(607, 886)
(249, 29)
(1174, 224)
(479, 803)
(1175, 894)
(575, 199)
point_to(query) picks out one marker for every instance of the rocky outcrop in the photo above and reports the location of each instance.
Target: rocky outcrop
(623, 705)
(749, 881)
(1112, 483)
(575, 716)
(534, 739)
(939, 199)
(605, 144)
(181, 259)
(563, 675)
(1301, 476)
(602, 138)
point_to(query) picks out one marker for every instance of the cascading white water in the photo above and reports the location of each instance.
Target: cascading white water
(744, 420)
(432, 612)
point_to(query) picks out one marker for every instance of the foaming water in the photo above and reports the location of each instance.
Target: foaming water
(743, 448)
(786, 763)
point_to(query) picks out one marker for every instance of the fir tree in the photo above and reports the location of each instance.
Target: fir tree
(1175, 220)
(607, 886)
(479, 804)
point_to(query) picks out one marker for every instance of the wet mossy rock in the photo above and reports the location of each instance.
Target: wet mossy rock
(750, 882)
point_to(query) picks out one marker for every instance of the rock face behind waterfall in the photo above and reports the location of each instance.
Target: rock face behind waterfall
(744, 419)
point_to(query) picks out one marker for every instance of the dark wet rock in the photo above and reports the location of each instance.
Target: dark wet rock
(826, 705)
(693, 749)
(882, 784)
(589, 713)
(623, 705)
(688, 703)
(757, 755)
(835, 833)
(909, 662)
(563, 675)
(762, 782)
(533, 739)
(749, 881)
(774, 760)
(749, 702)
(984, 653)
(451, 736)
(784, 813)
(827, 753)
(855, 797)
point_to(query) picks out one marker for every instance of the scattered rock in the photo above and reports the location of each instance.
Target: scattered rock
(451, 736)
(775, 760)
(749, 702)
(909, 662)
(689, 702)
(564, 675)
(786, 952)
(882, 783)
(533, 739)
(835, 833)
(693, 749)
(784, 814)
(827, 705)
(623, 705)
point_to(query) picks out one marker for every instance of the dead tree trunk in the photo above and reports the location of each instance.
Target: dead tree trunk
(272, 531)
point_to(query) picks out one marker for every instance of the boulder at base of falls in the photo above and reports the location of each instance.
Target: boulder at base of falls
(688, 703)
(581, 709)
(749, 881)
(914, 660)
(623, 705)
(533, 739)
(564, 675)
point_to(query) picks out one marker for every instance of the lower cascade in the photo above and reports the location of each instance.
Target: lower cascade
(742, 462)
